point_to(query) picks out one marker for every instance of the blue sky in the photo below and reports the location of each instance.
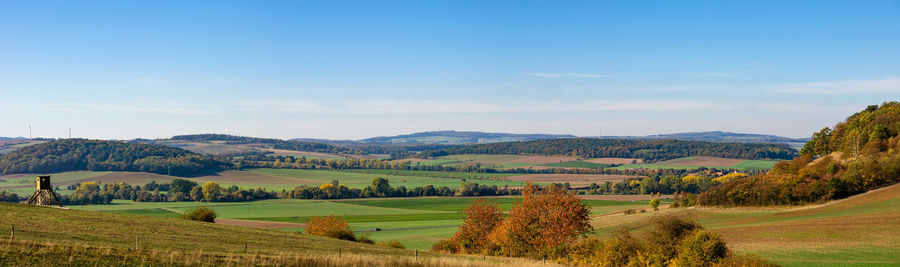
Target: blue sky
(355, 69)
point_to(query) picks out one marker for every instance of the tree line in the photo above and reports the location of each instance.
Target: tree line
(380, 187)
(96, 155)
(648, 150)
(178, 190)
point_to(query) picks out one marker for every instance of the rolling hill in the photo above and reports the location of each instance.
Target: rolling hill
(56, 237)
(459, 137)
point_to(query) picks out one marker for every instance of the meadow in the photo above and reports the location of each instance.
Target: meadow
(415, 222)
(689, 163)
(857, 231)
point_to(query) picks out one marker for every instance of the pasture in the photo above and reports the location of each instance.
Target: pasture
(862, 230)
(689, 163)
(415, 222)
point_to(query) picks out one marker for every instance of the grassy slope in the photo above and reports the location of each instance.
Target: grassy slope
(859, 231)
(48, 236)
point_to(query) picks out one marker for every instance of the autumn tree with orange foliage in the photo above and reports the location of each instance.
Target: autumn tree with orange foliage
(330, 226)
(541, 224)
(481, 218)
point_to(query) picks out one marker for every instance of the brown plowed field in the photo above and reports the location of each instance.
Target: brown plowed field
(573, 179)
(613, 160)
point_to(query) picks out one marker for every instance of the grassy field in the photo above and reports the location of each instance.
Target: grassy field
(415, 222)
(687, 164)
(576, 164)
(863, 230)
(53, 237)
(359, 180)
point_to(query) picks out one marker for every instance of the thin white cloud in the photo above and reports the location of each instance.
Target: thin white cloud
(426, 106)
(567, 75)
(845, 87)
(157, 108)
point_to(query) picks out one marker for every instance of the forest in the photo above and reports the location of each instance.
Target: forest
(97, 155)
(395, 150)
(857, 155)
(648, 150)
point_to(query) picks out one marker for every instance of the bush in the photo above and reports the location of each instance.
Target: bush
(364, 238)
(445, 245)
(481, 219)
(629, 211)
(542, 223)
(654, 203)
(392, 244)
(701, 248)
(330, 226)
(667, 230)
(202, 214)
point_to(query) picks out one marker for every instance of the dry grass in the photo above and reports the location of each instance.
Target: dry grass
(860, 230)
(23, 253)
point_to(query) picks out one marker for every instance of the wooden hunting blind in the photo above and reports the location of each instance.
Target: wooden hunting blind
(44, 194)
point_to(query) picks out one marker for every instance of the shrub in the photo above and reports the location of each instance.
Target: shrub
(330, 226)
(541, 223)
(629, 211)
(701, 248)
(667, 230)
(445, 245)
(481, 219)
(654, 203)
(202, 214)
(364, 238)
(392, 244)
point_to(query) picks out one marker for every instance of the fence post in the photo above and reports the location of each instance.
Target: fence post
(339, 252)
(417, 254)
(12, 234)
(135, 243)
(245, 247)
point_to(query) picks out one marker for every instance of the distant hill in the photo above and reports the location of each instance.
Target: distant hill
(444, 138)
(98, 155)
(12, 138)
(723, 137)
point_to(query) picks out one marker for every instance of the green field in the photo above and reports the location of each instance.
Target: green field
(360, 180)
(744, 165)
(576, 164)
(415, 222)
